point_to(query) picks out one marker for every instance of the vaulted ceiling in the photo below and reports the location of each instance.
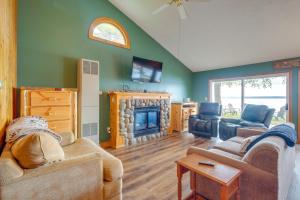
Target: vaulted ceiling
(221, 33)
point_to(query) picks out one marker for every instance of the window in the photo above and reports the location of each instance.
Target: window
(109, 31)
(234, 94)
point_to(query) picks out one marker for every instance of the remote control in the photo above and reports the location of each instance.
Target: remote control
(208, 163)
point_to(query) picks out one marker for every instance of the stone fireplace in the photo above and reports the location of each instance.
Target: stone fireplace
(138, 117)
(143, 119)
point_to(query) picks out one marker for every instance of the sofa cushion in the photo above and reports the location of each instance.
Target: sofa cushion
(226, 154)
(230, 147)
(237, 139)
(37, 149)
(209, 108)
(112, 166)
(245, 123)
(255, 113)
(67, 138)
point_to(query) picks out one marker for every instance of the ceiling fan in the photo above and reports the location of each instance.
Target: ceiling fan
(180, 7)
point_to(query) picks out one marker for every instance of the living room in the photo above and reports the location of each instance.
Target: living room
(223, 79)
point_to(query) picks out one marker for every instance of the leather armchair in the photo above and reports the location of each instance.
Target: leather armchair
(252, 116)
(206, 123)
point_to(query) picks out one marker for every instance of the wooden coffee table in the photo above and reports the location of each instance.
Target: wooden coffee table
(226, 176)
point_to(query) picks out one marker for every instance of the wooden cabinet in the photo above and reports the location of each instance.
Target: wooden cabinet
(57, 105)
(180, 113)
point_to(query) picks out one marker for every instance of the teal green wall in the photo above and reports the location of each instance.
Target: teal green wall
(201, 81)
(53, 35)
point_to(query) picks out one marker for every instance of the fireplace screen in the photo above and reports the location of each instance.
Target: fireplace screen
(140, 121)
(146, 120)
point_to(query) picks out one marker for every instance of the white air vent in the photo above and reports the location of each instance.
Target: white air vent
(88, 99)
(90, 129)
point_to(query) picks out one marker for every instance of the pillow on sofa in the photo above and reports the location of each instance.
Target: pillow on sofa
(37, 149)
(245, 143)
(255, 113)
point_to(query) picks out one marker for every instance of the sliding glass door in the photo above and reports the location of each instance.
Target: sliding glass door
(229, 94)
(234, 94)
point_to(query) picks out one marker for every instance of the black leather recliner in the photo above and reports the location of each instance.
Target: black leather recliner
(252, 116)
(206, 123)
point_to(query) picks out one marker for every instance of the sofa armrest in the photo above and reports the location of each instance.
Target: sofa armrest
(246, 167)
(209, 117)
(216, 157)
(269, 148)
(81, 164)
(112, 166)
(248, 132)
(229, 120)
(69, 179)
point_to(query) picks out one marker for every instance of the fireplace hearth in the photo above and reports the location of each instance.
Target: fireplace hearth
(147, 120)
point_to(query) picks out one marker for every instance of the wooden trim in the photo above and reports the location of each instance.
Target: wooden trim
(290, 99)
(115, 23)
(49, 89)
(8, 63)
(298, 108)
(286, 64)
(105, 144)
(137, 95)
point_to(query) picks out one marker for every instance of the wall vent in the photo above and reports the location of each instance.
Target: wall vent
(88, 99)
(90, 129)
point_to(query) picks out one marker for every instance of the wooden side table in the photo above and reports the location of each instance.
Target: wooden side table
(224, 175)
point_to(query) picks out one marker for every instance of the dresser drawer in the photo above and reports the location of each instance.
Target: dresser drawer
(50, 98)
(52, 112)
(61, 126)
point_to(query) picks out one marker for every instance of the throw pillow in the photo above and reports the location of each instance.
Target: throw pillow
(246, 142)
(37, 149)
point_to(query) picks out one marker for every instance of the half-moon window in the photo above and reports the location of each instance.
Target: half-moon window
(109, 31)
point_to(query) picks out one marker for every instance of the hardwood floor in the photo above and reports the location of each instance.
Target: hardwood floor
(150, 169)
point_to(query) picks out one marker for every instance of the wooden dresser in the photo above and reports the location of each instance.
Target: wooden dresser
(57, 105)
(180, 113)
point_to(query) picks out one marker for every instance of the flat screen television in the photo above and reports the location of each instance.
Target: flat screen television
(144, 70)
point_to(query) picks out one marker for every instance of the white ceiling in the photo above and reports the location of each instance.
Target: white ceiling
(221, 33)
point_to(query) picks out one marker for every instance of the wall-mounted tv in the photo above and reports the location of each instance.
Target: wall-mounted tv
(144, 70)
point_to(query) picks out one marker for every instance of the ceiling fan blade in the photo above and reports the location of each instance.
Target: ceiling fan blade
(182, 12)
(161, 8)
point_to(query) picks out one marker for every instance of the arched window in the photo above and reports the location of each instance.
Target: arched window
(109, 31)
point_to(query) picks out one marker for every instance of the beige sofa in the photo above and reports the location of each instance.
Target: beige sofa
(88, 172)
(267, 167)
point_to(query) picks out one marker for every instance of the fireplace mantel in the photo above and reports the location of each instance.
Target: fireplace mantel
(117, 99)
(138, 95)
